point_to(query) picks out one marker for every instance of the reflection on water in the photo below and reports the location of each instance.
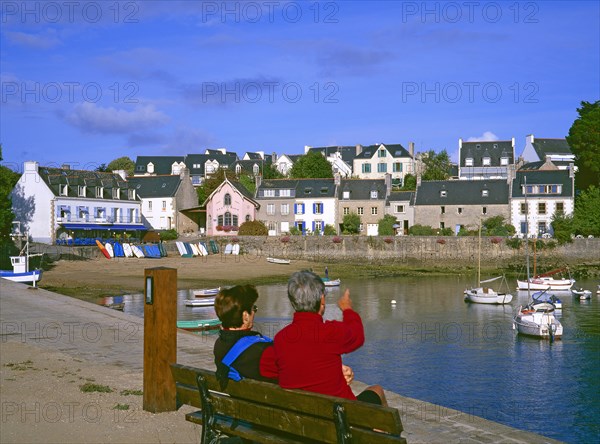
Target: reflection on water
(432, 346)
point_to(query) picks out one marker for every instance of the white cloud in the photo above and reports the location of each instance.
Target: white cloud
(94, 119)
(487, 136)
(48, 40)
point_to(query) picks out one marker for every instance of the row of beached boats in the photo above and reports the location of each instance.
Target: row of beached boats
(117, 249)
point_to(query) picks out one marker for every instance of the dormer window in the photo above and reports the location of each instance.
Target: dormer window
(116, 192)
(63, 190)
(495, 146)
(81, 191)
(486, 161)
(443, 193)
(324, 190)
(238, 169)
(504, 161)
(99, 192)
(469, 161)
(307, 190)
(478, 146)
(382, 153)
(373, 194)
(255, 169)
(131, 194)
(150, 168)
(485, 193)
(346, 195)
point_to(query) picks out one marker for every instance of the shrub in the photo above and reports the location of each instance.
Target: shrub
(514, 243)
(169, 235)
(295, 231)
(253, 228)
(385, 226)
(351, 223)
(329, 230)
(421, 230)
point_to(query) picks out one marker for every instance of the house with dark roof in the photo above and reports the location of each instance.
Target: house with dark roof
(401, 205)
(375, 161)
(164, 199)
(227, 207)
(557, 151)
(277, 198)
(60, 203)
(158, 165)
(365, 197)
(548, 192)
(485, 160)
(341, 158)
(460, 204)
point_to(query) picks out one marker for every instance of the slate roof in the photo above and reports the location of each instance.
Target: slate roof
(495, 150)
(301, 188)
(201, 159)
(395, 150)
(557, 177)
(462, 192)
(155, 186)
(253, 156)
(54, 177)
(547, 147)
(248, 165)
(398, 196)
(162, 164)
(348, 153)
(360, 189)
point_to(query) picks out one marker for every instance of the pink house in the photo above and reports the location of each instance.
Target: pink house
(229, 206)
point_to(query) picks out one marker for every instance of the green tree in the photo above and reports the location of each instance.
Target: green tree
(586, 219)
(351, 224)
(122, 163)
(312, 165)
(562, 226)
(421, 230)
(8, 180)
(271, 172)
(584, 140)
(386, 225)
(496, 226)
(212, 183)
(329, 230)
(410, 183)
(102, 168)
(437, 165)
(248, 183)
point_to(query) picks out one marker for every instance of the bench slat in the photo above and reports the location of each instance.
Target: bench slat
(358, 414)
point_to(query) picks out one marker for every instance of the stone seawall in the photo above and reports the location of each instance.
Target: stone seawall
(409, 251)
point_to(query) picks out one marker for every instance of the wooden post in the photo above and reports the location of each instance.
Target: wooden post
(160, 338)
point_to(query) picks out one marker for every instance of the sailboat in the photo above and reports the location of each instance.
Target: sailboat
(536, 318)
(545, 281)
(486, 295)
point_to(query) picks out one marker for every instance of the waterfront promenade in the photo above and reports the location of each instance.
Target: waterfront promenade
(51, 344)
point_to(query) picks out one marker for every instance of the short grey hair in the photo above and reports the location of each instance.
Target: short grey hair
(305, 289)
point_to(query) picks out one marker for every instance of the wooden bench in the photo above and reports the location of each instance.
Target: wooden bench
(265, 413)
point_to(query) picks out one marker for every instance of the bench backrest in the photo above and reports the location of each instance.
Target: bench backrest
(297, 414)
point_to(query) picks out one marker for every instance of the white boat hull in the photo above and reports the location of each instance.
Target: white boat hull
(538, 321)
(332, 283)
(24, 278)
(203, 302)
(275, 260)
(546, 283)
(480, 296)
(206, 292)
(582, 294)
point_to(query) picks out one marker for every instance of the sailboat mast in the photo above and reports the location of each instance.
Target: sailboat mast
(527, 235)
(479, 257)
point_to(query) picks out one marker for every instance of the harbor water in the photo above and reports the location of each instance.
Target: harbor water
(431, 345)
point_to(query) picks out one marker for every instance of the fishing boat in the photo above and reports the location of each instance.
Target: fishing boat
(536, 318)
(20, 272)
(582, 294)
(199, 324)
(206, 292)
(545, 281)
(545, 296)
(206, 301)
(275, 260)
(487, 295)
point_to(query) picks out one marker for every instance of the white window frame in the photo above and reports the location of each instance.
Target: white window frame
(270, 209)
(285, 209)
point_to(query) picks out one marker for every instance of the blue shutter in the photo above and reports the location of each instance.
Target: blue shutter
(313, 226)
(314, 209)
(296, 209)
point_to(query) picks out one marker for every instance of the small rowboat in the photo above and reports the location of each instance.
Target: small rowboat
(206, 292)
(583, 294)
(275, 260)
(199, 324)
(201, 302)
(332, 282)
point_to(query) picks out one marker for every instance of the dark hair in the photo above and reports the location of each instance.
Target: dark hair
(305, 289)
(231, 303)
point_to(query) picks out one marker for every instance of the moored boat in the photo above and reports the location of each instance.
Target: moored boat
(206, 292)
(275, 260)
(538, 320)
(582, 294)
(199, 324)
(332, 282)
(546, 281)
(544, 296)
(21, 272)
(206, 301)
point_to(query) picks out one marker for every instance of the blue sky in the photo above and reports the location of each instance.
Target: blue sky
(87, 82)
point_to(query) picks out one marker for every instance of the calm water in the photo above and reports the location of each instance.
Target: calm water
(432, 346)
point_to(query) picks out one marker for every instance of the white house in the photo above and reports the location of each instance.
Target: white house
(315, 205)
(557, 151)
(375, 161)
(60, 203)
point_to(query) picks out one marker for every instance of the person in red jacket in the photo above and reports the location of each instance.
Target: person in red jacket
(309, 351)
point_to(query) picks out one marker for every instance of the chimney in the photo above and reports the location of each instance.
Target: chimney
(306, 148)
(411, 149)
(273, 158)
(66, 166)
(121, 173)
(388, 184)
(337, 178)
(261, 154)
(184, 173)
(30, 167)
(358, 149)
(572, 170)
(257, 181)
(530, 138)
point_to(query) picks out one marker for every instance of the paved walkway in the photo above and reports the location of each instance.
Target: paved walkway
(97, 335)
